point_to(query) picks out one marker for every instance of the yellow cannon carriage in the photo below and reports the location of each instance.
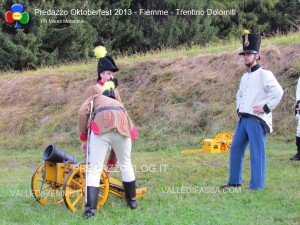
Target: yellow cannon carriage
(61, 179)
(221, 143)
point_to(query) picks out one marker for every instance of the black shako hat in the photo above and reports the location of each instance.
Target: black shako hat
(107, 63)
(98, 43)
(104, 62)
(251, 44)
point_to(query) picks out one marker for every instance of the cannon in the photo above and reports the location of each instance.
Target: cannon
(221, 143)
(60, 179)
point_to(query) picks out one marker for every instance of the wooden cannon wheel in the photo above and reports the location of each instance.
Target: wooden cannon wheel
(74, 189)
(45, 192)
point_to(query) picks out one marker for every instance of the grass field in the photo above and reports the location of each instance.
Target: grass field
(183, 189)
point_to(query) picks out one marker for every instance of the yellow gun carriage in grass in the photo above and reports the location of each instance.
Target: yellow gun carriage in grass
(61, 179)
(221, 143)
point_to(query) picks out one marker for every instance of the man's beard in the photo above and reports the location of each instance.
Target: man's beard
(249, 64)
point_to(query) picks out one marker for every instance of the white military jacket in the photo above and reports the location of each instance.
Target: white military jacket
(298, 91)
(258, 87)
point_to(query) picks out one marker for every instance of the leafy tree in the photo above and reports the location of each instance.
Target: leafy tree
(43, 43)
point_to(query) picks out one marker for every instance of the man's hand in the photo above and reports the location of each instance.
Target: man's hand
(83, 147)
(258, 109)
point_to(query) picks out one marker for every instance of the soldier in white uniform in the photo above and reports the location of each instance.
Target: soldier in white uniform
(297, 156)
(258, 94)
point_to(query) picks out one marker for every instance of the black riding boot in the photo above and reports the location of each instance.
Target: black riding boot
(297, 156)
(92, 199)
(130, 194)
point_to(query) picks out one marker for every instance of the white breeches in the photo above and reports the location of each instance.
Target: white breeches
(99, 145)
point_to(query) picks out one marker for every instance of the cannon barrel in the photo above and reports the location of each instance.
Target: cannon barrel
(56, 155)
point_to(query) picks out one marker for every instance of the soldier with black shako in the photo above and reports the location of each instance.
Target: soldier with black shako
(297, 112)
(106, 70)
(258, 95)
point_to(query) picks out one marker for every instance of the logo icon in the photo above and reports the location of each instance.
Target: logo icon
(17, 15)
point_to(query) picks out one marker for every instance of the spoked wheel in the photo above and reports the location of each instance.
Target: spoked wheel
(45, 192)
(74, 189)
(225, 139)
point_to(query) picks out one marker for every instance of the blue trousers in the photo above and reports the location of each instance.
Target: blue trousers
(248, 131)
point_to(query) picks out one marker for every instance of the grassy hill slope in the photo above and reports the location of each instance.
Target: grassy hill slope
(176, 98)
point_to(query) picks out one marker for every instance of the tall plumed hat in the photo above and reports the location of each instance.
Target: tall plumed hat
(105, 62)
(251, 43)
